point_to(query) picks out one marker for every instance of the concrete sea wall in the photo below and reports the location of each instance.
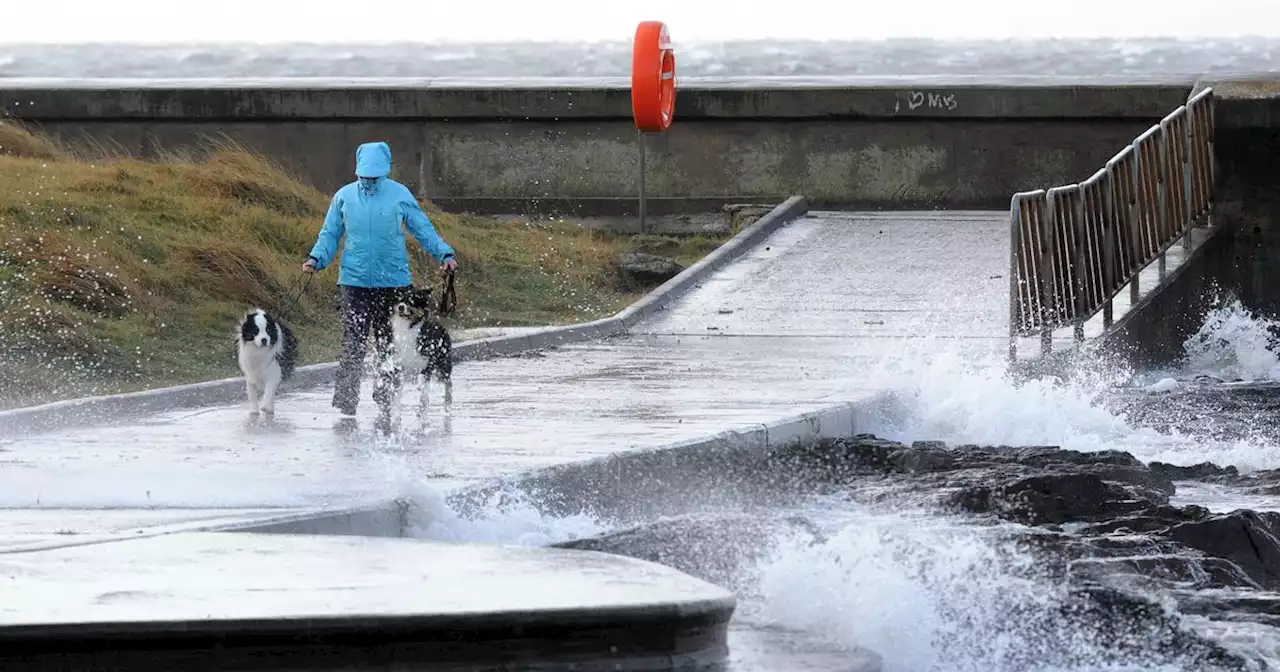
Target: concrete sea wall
(568, 146)
(1247, 148)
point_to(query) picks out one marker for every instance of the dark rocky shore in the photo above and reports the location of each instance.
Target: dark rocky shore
(1098, 523)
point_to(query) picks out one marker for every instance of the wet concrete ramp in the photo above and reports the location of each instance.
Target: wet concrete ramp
(800, 321)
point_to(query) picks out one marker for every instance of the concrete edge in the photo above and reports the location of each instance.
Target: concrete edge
(658, 299)
(756, 441)
(380, 519)
(663, 633)
(38, 100)
(120, 407)
(642, 482)
(385, 519)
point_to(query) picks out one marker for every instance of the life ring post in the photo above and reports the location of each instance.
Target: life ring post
(644, 228)
(653, 91)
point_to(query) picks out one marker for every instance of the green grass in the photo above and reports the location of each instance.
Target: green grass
(118, 274)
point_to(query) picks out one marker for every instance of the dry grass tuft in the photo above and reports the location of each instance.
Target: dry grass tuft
(19, 141)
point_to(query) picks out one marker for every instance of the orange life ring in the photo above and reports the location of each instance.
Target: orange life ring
(653, 77)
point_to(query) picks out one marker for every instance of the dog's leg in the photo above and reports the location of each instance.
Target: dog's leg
(269, 390)
(424, 394)
(448, 403)
(448, 395)
(424, 400)
(251, 391)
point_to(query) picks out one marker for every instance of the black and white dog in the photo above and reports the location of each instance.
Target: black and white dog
(423, 347)
(268, 355)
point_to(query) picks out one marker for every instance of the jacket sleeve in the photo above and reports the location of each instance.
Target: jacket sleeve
(327, 242)
(419, 226)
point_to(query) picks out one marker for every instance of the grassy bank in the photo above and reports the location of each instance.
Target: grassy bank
(121, 274)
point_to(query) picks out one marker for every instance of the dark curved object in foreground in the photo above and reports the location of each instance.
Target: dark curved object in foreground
(191, 602)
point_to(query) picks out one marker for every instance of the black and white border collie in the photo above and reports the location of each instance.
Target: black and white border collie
(423, 347)
(268, 355)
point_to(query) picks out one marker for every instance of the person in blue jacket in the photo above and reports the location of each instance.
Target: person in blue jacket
(374, 269)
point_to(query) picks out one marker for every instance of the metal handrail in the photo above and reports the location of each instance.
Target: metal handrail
(1073, 248)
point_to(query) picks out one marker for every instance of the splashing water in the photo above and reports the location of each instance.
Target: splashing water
(517, 522)
(1234, 344)
(927, 593)
(923, 592)
(951, 396)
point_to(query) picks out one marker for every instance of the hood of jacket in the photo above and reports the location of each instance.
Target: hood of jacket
(373, 160)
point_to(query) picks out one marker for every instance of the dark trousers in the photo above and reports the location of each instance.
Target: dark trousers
(367, 311)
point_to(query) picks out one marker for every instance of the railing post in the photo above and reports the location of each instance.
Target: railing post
(1048, 298)
(1078, 265)
(1108, 249)
(1188, 197)
(1162, 196)
(1015, 243)
(1135, 225)
(1211, 130)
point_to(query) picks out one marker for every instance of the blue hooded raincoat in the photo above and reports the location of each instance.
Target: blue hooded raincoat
(370, 212)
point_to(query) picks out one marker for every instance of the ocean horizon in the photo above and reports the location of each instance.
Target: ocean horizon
(764, 58)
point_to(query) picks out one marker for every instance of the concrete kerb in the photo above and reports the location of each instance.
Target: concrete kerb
(735, 247)
(622, 483)
(663, 480)
(387, 519)
(383, 519)
(120, 407)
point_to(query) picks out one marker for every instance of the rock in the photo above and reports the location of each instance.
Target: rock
(1062, 498)
(1196, 472)
(742, 215)
(832, 461)
(923, 461)
(1182, 570)
(1133, 625)
(1246, 538)
(1155, 519)
(644, 269)
(1219, 605)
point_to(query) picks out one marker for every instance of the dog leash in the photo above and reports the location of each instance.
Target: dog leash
(449, 295)
(297, 297)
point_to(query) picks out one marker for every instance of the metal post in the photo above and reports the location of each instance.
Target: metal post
(1135, 225)
(1211, 131)
(1188, 187)
(1015, 242)
(1162, 193)
(1078, 282)
(1109, 219)
(1048, 274)
(644, 228)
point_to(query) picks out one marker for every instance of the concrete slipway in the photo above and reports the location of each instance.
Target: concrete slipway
(788, 319)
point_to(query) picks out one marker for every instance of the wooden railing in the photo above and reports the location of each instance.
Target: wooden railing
(1073, 248)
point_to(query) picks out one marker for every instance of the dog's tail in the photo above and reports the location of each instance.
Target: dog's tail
(288, 357)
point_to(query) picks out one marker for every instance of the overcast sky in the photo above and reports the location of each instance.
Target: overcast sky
(483, 20)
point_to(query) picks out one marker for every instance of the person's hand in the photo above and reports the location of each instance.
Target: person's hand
(448, 265)
(308, 266)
